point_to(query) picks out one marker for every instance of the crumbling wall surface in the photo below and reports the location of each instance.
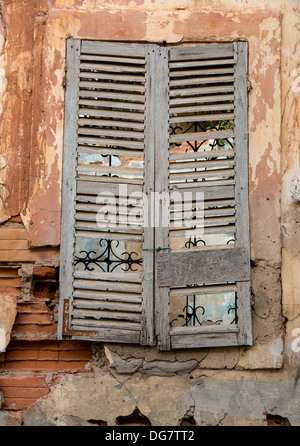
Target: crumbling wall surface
(46, 382)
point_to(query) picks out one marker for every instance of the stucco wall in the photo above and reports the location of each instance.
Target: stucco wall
(227, 386)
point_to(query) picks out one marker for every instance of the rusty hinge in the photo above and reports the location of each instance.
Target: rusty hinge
(64, 82)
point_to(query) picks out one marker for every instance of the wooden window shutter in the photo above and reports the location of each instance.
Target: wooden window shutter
(207, 151)
(107, 272)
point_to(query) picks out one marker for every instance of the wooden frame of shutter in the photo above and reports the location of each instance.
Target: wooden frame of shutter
(182, 267)
(155, 287)
(70, 187)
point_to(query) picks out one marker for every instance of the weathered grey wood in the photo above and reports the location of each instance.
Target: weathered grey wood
(162, 186)
(198, 52)
(218, 173)
(118, 277)
(195, 99)
(114, 77)
(106, 296)
(228, 229)
(68, 178)
(109, 335)
(112, 59)
(179, 268)
(242, 188)
(111, 86)
(210, 289)
(198, 90)
(210, 192)
(114, 104)
(201, 154)
(199, 108)
(123, 287)
(114, 68)
(95, 188)
(120, 171)
(110, 95)
(198, 118)
(203, 72)
(108, 306)
(107, 123)
(203, 80)
(93, 323)
(113, 48)
(200, 164)
(203, 338)
(148, 331)
(109, 235)
(110, 114)
(95, 313)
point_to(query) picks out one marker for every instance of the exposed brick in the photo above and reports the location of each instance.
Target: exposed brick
(22, 381)
(45, 272)
(46, 355)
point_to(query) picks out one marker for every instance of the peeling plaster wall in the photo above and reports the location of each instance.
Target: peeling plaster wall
(212, 386)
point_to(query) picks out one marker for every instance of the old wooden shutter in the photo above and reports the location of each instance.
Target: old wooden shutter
(105, 293)
(207, 151)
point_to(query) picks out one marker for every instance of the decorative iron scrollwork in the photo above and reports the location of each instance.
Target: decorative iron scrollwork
(108, 260)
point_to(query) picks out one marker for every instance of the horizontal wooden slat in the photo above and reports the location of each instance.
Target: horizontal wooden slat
(113, 48)
(110, 180)
(113, 315)
(89, 226)
(186, 233)
(117, 151)
(119, 220)
(217, 173)
(185, 186)
(207, 117)
(201, 290)
(112, 187)
(210, 51)
(204, 72)
(110, 335)
(200, 63)
(118, 277)
(110, 141)
(200, 108)
(107, 285)
(109, 306)
(202, 80)
(202, 266)
(109, 235)
(111, 95)
(118, 209)
(195, 99)
(111, 123)
(113, 68)
(116, 170)
(98, 113)
(107, 296)
(201, 164)
(113, 59)
(201, 154)
(113, 133)
(99, 85)
(207, 205)
(80, 324)
(204, 336)
(112, 104)
(199, 90)
(124, 78)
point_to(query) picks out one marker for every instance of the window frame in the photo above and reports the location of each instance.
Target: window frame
(155, 324)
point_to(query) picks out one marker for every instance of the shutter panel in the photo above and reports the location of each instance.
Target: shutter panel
(206, 276)
(106, 277)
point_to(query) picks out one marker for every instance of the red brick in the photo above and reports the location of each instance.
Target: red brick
(18, 403)
(45, 272)
(30, 318)
(22, 381)
(34, 329)
(27, 392)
